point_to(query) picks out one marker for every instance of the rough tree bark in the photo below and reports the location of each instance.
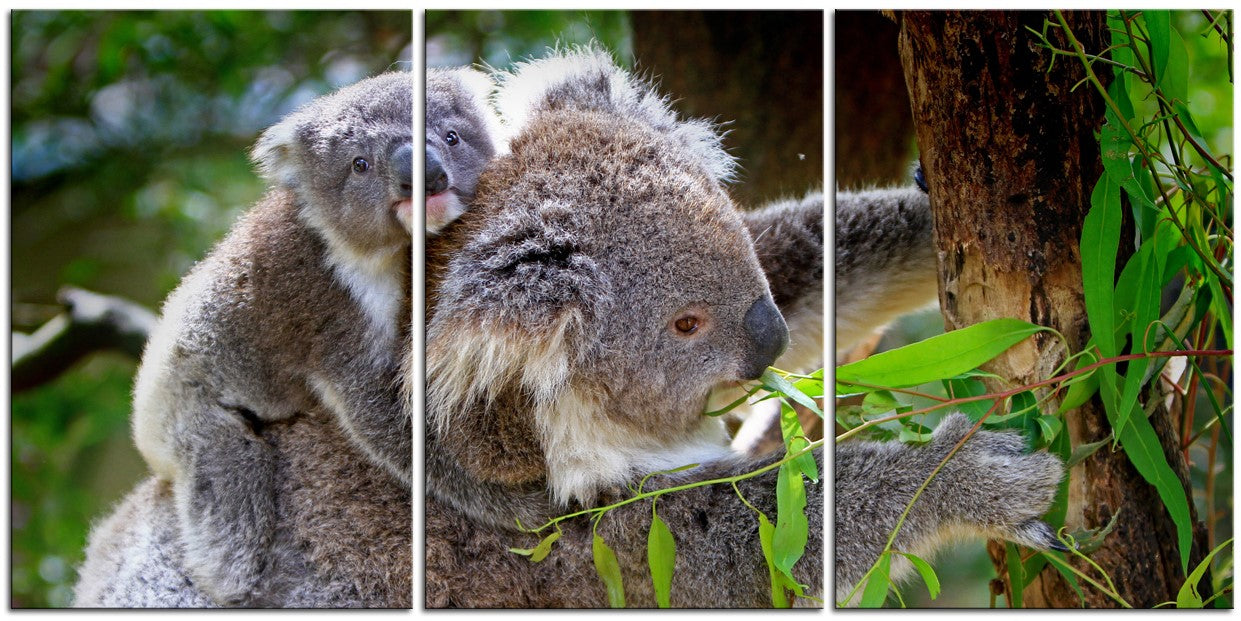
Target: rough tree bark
(761, 70)
(1011, 159)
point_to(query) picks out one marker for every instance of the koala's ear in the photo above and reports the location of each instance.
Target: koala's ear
(481, 89)
(588, 79)
(275, 153)
(511, 311)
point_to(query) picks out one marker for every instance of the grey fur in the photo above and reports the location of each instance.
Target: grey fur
(342, 539)
(885, 259)
(605, 224)
(990, 488)
(463, 133)
(304, 305)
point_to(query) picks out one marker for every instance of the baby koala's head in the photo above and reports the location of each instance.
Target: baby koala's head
(463, 135)
(348, 159)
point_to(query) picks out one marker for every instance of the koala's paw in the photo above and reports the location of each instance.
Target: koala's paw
(1000, 489)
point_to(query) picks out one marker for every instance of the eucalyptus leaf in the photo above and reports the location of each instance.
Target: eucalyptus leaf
(766, 532)
(661, 556)
(609, 571)
(928, 574)
(1142, 446)
(775, 383)
(876, 591)
(1188, 596)
(938, 357)
(792, 529)
(1016, 574)
(1068, 574)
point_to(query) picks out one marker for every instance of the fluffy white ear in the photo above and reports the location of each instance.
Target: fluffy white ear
(274, 152)
(587, 78)
(482, 89)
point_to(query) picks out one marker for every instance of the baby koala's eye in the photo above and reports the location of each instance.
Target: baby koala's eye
(360, 165)
(452, 138)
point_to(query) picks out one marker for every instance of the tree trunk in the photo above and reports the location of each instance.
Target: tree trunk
(762, 71)
(1011, 159)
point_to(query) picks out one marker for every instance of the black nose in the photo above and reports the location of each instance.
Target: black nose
(403, 166)
(437, 177)
(768, 337)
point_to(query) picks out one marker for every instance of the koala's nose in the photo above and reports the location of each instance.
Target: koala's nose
(403, 164)
(437, 177)
(768, 337)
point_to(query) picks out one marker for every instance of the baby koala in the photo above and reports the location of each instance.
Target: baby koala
(305, 303)
(463, 135)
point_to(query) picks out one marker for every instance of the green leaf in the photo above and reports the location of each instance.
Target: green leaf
(1175, 78)
(1158, 27)
(661, 556)
(1100, 242)
(912, 432)
(773, 381)
(1068, 574)
(877, 585)
(609, 571)
(927, 573)
(539, 552)
(879, 402)
(766, 532)
(1050, 426)
(1016, 574)
(968, 387)
(1082, 451)
(792, 529)
(938, 357)
(1080, 390)
(1142, 446)
(795, 441)
(1188, 596)
(1146, 311)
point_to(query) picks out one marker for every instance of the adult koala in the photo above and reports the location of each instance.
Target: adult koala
(598, 289)
(580, 314)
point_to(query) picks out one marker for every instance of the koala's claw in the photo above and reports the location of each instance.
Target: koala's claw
(1037, 534)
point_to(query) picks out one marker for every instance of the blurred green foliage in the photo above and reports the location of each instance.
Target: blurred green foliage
(500, 38)
(130, 132)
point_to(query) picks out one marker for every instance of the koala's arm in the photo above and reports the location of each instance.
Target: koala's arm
(719, 558)
(991, 487)
(788, 239)
(885, 260)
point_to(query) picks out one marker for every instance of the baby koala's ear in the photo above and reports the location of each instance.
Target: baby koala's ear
(275, 153)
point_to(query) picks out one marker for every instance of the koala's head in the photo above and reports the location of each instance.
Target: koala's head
(348, 159)
(604, 275)
(463, 135)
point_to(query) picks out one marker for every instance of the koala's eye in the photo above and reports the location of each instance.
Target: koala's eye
(360, 165)
(687, 325)
(691, 322)
(452, 138)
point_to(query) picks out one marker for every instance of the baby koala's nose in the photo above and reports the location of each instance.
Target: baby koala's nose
(437, 177)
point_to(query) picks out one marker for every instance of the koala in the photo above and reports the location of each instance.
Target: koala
(304, 305)
(580, 313)
(342, 538)
(463, 134)
(885, 267)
